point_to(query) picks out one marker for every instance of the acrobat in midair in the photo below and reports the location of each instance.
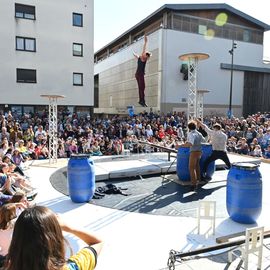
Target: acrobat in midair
(139, 75)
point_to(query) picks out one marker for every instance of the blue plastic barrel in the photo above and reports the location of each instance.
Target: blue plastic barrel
(244, 192)
(206, 152)
(182, 169)
(81, 178)
(182, 166)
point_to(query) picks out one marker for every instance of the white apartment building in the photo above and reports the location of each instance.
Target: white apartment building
(46, 48)
(177, 29)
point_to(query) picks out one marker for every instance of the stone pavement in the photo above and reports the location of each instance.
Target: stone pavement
(135, 240)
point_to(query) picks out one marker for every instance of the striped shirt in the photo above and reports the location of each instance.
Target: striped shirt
(195, 138)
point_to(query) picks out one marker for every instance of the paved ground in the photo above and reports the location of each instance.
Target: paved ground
(142, 241)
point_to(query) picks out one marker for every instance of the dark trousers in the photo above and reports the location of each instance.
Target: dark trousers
(217, 155)
(141, 85)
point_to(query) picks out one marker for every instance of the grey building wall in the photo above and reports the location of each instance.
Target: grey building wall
(53, 58)
(117, 84)
(164, 82)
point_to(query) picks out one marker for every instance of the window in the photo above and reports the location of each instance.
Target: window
(77, 19)
(25, 44)
(77, 49)
(26, 75)
(246, 35)
(78, 79)
(25, 11)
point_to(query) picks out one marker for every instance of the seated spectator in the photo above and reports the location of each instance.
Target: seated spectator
(7, 221)
(17, 158)
(28, 134)
(118, 147)
(47, 244)
(41, 151)
(267, 152)
(67, 144)
(149, 131)
(251, 149)
(22, 201)
(19, 197)
(22, 149)
(61, 150)
(242, 147)
(95, 149)
(4, 198)
(109, 149)
(40, 134)
(231, 145)
(4, 134)
(5, 183)
(161, 133)
(8, 214)
(17, 181)
(73, 148)
(3, 148)
(265, 139)
(30, 147)
(257, 151)
(8, 159)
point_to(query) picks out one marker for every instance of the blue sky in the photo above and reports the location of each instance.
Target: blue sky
(114, 17)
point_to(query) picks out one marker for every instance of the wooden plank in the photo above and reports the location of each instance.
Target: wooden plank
(227, 238)
(214, 248)
(166, 149)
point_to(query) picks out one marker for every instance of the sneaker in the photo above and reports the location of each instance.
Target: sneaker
(30, 196)
(194, 188)
(207, 178)
(145, 105)
(141, 103)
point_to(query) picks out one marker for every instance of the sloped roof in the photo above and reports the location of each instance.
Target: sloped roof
(216, 7)
(185, 7)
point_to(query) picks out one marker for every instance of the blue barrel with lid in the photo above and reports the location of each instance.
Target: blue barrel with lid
(244, 192)
(206, 153)
(182, 166)
(182, 169)
(81, 178)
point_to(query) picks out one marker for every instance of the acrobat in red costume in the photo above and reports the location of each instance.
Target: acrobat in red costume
(139, 75)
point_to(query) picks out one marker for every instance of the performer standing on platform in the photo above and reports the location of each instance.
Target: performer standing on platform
(139, 75)
(219, 141)
(194, 141)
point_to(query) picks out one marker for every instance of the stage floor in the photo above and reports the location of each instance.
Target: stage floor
(150, 191)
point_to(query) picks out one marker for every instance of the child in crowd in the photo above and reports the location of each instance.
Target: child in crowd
(40, 231)
(7, 220)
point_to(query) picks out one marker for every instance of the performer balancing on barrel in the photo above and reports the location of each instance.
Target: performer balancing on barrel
(139, 75)
(219, 140)
(194, 141)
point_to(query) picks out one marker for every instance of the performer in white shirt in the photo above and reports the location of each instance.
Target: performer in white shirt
(219, 141)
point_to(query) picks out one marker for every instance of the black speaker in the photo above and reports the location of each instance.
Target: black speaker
(184, 70)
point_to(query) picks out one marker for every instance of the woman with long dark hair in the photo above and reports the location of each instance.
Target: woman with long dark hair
(38, 243)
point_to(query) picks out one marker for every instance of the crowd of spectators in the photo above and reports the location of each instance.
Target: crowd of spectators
(26, 137)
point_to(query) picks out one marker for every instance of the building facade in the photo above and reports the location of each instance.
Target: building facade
(46, 48)
(178, 29)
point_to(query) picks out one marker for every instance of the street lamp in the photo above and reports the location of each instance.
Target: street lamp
(231, 51)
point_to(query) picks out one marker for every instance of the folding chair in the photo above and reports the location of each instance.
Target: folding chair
(253, 245)
(207, 211)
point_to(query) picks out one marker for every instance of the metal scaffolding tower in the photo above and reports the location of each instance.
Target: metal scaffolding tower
(53, 139)
(192, 59)
(200, 94)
